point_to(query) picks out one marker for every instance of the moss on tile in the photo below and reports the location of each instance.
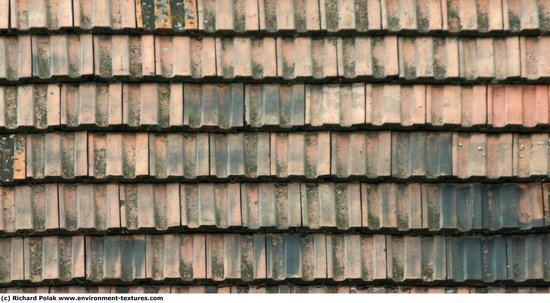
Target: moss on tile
(482, 21)
(65, 262)
(10, 107)
(209, 20)
(257, 70)
(402, 222)
(410, 71)
(164, 105)
(362, 15)
(427, 271)
(35, 257)
(544, 20)
(332, 12)
(453, 17)
(514, 21)
(67, 163)
(433, 216)
(40, 105)
(342, 211)
(99, 162)
(217, 267)
(393, 23)
(377, 68)
(131, 207)
(398, 272)
(374, 221)
(288, 69)
(105, 67)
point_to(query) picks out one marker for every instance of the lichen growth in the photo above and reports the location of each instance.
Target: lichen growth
(374, 221)
(427, 271)
(515, 21)
(433, 216)
(398, 272)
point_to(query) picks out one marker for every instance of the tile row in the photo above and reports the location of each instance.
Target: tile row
(277, 257)
(453, 16)
(371, 155)
(252, 206)
(376, 57)
(283, 288)
(272, 105)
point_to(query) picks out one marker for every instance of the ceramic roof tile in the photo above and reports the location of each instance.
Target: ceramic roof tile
(115, 14)
(246, 57)
(426, 57)
(87, 104)
(331, 205)
(12, 257)
(289, 15)
(394, 104)
(368, 56)
(228, 15)
(4, 14)
(527, 257)
(497, 58)
(526, 15)
(213, 105)
(62, 55)
(534, 63)
(306, 58)
(125, 155)
(359, 15)
(400, 15)
(473, 15)
(300, 154)
(518, 105)
(12, 157)
(15, 57)
(122, 55)
(240, 154)
(162, 14)
(458, 105)
(416, 258)
(482, 155)
(30, 208)
(271, 205)
(26, 14)
(391, 205)
(274, 104)
(361, 154)
(335, 104)
(530, 156)
(147, 104)
(513, 206)
(185, 56)
(208, 204)
(57, 155)
(180, 154)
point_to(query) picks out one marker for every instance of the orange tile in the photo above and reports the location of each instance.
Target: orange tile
(271, 205)
(123, 55)
(354, 15)
(361, 154)
(4, 14)
(394, 104)
(535, 64)
(331, 205)
(26, 14)
(185, 56)
(15, 57)
(306, 57)
(300, 154)
(530, 155)
(459, 105)
(91, 104)
(245, 57)
(289, 15)
(228, 15)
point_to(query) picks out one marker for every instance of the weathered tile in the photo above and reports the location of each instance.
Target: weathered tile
(421, 154)
(208, 204)
(307, 58)
(89, 104)
(518, 105)
(149, 206)
(62, 55)
(228, 15)
(535, 64)
(240, 154)
(29, 106)
(185, 56)
(126, 155)
(361, 154)
(274, 104)
(246, 57)
(271, 205)
(475, 258)
(453, 206)
(411, 15)
(517, 206)
(335, 104)
(472, 15)
(356, 257)
(289, 15)
(456, 105)
(54, 258)
(235, 257)
(300, 154)
(426, 57)
(12, 157)
(123, 55)
(391, 205)
(527, 257)
(177, 155)
(29, 208)
(171, 256)
(394, 104)
(152, 104)
(4, 14)
(57, 155)
(16, 57)
(114, 14)
(26, 14)
(332, 205)
(164, 14)
(12, 259)
(356, 15)
(292, 256)
(481, 155)
(487, 58)
(416, 258)
(368, 57)
(524, 15)
(87, 206)
(116, 258)
(213, 105)
(531, 153)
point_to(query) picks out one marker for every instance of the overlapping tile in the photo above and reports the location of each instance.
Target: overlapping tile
(114, 14)
(531, 153)
(335, 104)
(29, 208)
(306, 58)
(62, 55)
(161, 14)
(122, 55)
(361, 154)
(16, 57)
(394, 104)
(246, 57)
(375, 57)
(300, 154)
(526, 15)
(493, 58)
(88, 104)
(272, 104)
(117, 155)
(457, 105)
(331, 205)
(481, 155)
(426, 57)
(416, 258)
(289, 15)
(212, 205)
(228, 15)
(184, 56)
(518, 105)
(271, 205)
(240, 154)
(27, 14)
(473, 15)
(528, 257)
(423, 16)
(212, 105)
(151, 104)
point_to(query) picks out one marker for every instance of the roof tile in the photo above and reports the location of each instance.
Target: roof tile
(425, 57)
(335, 104)
(4, 14)
(115, 14)
(331, 205)
(274, 104)
(180, 154)
(87, 104)
(12, 258)
(160, 14)
(306, 58)
(12, 157)
(527, 257)
(356, 257)
(479, 155)
(271, 205)
(116, 258)
(368, 56)
(411, 15)
(361, 154)
(57, 155)
(300, 154)
(289, 15)
(228, 15)
(391, 205)
(531, 153)
(497, 58)
(32, 208)
(535, 64)
(518, 105)
(62, 55)
(416, 258)
(513, 206)
(240, 154)
(27, 14)
(15, 57)
(246, 57)
(394, 104)
(359, 15)
(185, 56)
(121, 55)
(458, 105)
(525, 15)
(473, 15)
(126, 155)
(207, 204)
(213, 105)
(147, 104)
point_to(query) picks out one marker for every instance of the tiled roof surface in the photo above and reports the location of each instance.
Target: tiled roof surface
(275, 146)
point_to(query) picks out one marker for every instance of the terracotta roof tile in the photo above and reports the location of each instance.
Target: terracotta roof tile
(239, 155)
(300, 154)
(246, 57)
(306, 58)
(513, 206)
(528, 257)
(394, 104)
(518, 105)
(335, 104)
(125, 155)
(534, 64)
(482, 155)
(178, 155)
(416, 258)
(212, 105)
(4, 14)
(209, 204)
(271, 205)
(365, 56)
(115, 14)
(12, 257)
(411, 15)
(353, 257)
(185, 56)
(490, 58)
(159, 14)
(122, 55)
(16, 57)
(60, 55)
(531, 153)
(458, 105)
(26, 14)
(289, 15)
(228, 15)
(525, 15)
(87, 104)
(473, 15)
(273, 104)
(331, 205)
